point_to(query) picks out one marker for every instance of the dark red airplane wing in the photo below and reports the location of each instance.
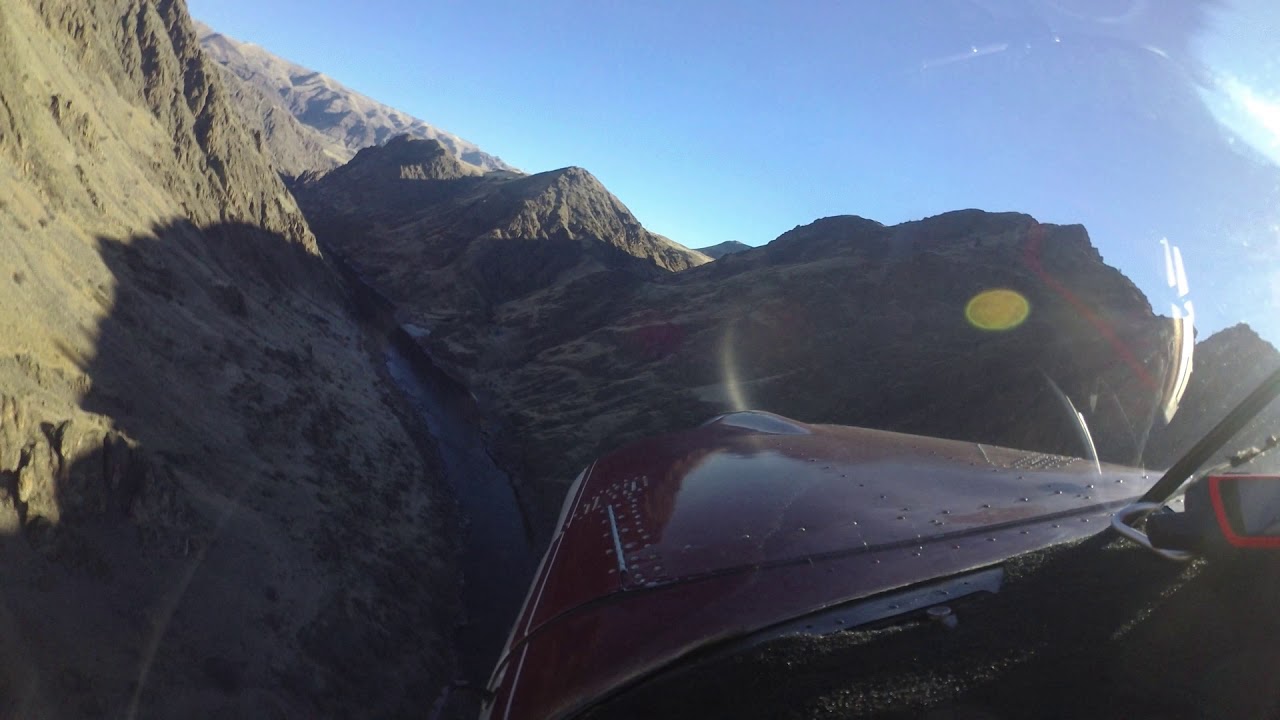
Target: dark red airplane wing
(752, 520)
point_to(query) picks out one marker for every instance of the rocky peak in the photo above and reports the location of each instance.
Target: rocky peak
(1239, 340)
(475, 240)
(405, 157)
(569, 200)
(572, 204)
(824, 236)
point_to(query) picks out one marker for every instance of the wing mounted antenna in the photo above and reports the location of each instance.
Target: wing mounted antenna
(1082, 427)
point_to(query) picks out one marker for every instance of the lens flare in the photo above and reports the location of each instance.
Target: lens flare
(997, 309)
(729, 370)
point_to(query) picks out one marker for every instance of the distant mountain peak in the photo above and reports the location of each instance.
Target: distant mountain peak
(1240, 332)
(340, 119)
(728, 247)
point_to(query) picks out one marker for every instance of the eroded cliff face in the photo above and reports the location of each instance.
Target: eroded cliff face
(209, 502)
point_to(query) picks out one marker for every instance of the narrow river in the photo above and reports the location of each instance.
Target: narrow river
(496, 548)
(497, 555)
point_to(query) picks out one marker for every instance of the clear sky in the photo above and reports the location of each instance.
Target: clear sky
(738, 120)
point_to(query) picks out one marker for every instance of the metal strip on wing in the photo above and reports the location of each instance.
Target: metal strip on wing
(984, 454)
(617, 540)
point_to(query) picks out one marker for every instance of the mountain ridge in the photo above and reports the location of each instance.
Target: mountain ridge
(463, 243)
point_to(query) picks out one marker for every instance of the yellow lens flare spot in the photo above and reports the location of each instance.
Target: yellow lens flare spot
(997, 309)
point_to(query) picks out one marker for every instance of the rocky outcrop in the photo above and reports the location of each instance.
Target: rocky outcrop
(77, 469)
(341, 120)
(201, 473)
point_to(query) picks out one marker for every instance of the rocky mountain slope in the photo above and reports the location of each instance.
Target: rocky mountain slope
(842, 321)
(341, 120)
(208, 504)
(715, 252)
(452, 244)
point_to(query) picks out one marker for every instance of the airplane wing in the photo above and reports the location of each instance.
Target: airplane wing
(753, 524)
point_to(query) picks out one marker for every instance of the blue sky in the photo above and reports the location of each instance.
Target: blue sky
(738, 120)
